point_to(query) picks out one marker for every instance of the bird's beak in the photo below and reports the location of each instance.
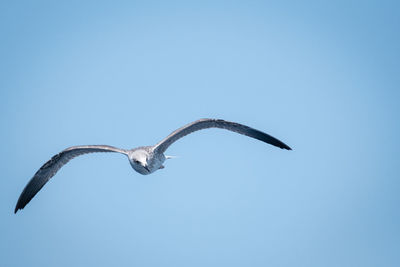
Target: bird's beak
(147, 168)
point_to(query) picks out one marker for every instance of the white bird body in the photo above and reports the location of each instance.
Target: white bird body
(145, 160)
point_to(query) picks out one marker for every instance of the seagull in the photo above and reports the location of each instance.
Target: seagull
(144, 159)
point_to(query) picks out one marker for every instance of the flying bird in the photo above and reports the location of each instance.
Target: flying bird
(144, 160)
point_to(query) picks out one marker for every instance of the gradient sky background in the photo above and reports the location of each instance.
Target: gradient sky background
(321, 76)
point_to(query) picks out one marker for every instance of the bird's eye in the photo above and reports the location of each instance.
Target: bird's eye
(137, 162)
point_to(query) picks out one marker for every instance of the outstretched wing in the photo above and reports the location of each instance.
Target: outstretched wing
(215, 123)
(50, 168)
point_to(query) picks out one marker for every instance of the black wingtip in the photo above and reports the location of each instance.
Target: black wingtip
(283, 146)
(19, 205)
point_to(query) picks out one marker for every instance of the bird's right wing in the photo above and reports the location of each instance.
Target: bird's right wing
(50, 168)
(217, 123)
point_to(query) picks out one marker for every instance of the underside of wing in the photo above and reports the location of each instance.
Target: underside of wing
(49, 169)
(217, 123)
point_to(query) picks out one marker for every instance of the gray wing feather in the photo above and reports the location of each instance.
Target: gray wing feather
(49, 169)
(216, 123)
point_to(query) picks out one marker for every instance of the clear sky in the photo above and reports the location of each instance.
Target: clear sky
(322, 76)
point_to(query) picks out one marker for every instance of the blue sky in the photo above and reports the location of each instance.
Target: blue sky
(321, 76)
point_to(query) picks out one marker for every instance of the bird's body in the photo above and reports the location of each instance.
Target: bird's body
(145, 160)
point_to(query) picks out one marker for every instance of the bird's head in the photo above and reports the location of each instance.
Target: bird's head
(139, 161)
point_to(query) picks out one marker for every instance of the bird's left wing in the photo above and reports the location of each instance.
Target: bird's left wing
(217, 123)
(50, 168)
